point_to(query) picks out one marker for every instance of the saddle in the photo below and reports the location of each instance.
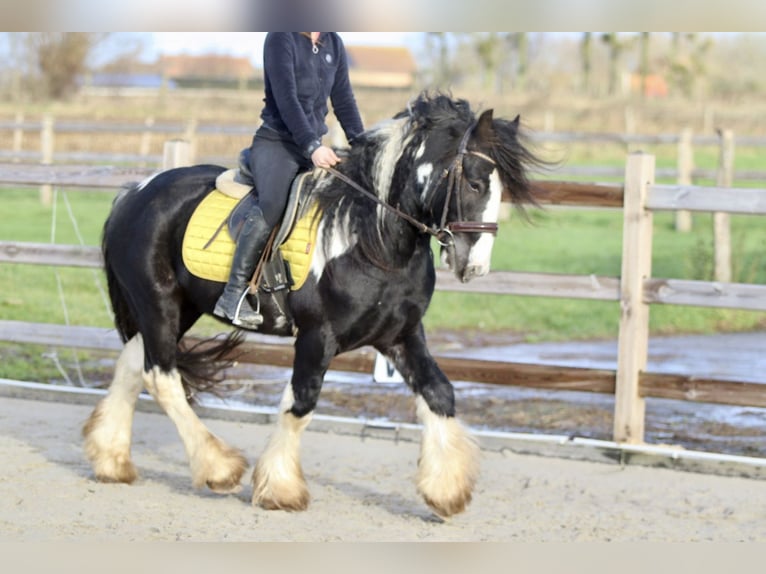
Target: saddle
(211, 235)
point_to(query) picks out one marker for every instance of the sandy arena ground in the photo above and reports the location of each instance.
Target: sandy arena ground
(362, 489)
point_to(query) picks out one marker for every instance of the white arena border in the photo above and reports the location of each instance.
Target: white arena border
(561, 446)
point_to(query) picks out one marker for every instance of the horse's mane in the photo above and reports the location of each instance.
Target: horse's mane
(428, 113)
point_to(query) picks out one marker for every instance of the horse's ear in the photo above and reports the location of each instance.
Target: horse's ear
(484, 125)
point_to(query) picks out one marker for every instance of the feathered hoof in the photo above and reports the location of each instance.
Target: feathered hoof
(110, 462)
(447, 488)
(118, 469)
(221, 467)
(445, 508)
(291, 495)
(227, 486)
(449, 464)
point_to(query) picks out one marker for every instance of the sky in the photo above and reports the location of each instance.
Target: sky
(250, 44)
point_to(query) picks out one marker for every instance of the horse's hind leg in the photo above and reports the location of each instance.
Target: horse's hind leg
(107, 431)
(448, 464)
(278, 481)
(213, 463)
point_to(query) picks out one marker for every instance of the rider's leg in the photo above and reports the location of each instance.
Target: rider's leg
(273, 164)
(233, 303)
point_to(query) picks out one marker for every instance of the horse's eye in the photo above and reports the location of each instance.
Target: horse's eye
(475, 187)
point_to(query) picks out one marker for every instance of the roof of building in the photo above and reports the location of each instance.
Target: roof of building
(388, 59)
(206, 65)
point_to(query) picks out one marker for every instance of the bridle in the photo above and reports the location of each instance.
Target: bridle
(453, 174)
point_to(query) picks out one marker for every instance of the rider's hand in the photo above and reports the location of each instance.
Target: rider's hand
(324, 156)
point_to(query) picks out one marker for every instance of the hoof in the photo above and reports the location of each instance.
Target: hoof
(114, 470)
(448, 465)
(270, 494)
(446, 508)
(230, 484)
(110, 458)
(220, 468)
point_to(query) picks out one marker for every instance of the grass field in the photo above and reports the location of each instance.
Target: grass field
(555, 240)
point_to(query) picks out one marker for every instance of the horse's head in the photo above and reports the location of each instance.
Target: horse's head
(464, 170)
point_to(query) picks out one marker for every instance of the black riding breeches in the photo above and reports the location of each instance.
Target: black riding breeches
(274, 164)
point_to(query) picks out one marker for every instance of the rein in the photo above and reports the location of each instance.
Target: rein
(454, 173)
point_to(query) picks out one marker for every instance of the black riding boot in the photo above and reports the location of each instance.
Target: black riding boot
(233, 303)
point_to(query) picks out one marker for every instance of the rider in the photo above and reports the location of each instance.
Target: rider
(301, 71)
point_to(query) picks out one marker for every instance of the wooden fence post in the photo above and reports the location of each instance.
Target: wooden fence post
(191, 137)
(18, 136)
(633, 340)
(176, 153)
(721, 223)
(46, 148)
(685, 168)
(146, 139)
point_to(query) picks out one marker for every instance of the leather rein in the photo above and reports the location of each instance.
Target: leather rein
(453, 174)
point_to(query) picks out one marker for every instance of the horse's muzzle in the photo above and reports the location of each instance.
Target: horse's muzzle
(472, 272)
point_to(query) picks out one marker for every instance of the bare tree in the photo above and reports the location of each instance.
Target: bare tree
(442, 75)
(689, 61)
(487, 47)
(62, 58)
(643, 66)
(616, 47)
(586, 56)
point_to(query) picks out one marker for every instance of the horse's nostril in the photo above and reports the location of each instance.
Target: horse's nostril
(473, 271)
(470, 272)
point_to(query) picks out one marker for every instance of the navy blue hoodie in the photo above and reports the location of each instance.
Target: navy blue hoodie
(298, 84)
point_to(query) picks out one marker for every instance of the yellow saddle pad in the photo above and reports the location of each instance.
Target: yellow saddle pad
(214, 262)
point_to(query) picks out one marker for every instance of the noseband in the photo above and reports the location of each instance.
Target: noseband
(453, 174)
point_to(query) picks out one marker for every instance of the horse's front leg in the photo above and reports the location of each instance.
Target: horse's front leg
(278, 481)
(449, 457)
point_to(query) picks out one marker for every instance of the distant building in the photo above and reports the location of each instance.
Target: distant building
(210, 66)
(381, 66)
(369, 66)
(654, 85)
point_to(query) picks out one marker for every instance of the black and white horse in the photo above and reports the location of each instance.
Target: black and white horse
(435, 169)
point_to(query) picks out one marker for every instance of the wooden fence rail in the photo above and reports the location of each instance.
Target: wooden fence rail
(636, 290)
(192, 130)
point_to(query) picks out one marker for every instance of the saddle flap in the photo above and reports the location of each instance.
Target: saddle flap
(296, 202)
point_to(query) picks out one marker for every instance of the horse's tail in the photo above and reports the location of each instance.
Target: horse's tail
(202, 364)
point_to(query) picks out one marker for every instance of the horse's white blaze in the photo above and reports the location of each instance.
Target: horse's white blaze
(480, 255)
(331, 244)
(212, 462)
(108, 431)
(278, 480)
(449, 461)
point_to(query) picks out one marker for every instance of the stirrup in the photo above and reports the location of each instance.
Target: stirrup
(256, 320)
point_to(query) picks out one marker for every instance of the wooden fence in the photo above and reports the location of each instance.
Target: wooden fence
(685, 172)
(635, 289)
(191, 131)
